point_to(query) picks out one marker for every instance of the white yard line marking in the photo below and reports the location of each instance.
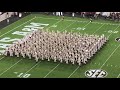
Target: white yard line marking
(87, 24)
(32, 67)
(110, 56)
(51, 70)
(99, 28)
(78, 21)
(118, 75)
(113, 30)
(73, 72)
(68, 26)
(113, 51)
(10, 67)
(54, 24)
(2, 58)
(17, 27)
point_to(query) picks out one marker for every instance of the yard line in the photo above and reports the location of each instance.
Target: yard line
(17, 27)
(113, 30)
(2, 58)
(10, 67)
(110, 56)
(51, 70)
(68, 26)
(113, 51)
(118, 75)
(54, 24)
(73, 72)
(78, 21)
(87, 24)
(99, 28)
(32, 67)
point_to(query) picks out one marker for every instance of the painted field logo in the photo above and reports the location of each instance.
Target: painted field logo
(96, 73)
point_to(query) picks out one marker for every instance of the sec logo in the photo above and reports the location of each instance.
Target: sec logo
(96, 73)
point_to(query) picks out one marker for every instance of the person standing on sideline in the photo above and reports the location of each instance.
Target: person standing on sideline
(73, 14)
(7, 16)
(91, 20)
(62, 18)
(20, 15)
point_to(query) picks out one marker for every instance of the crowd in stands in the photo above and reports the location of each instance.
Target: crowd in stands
(95, 15)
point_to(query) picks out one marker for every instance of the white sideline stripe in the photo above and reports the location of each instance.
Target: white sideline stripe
(10, 67)
(73, 72)
(79, 21)
(17, 26)
(110, 56)
(99, 28)
(51, 70)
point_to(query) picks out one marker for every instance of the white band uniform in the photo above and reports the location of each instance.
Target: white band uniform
(57, 46)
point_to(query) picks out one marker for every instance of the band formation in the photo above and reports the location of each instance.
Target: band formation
(57, 46)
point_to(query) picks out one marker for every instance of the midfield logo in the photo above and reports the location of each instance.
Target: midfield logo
(96, 73)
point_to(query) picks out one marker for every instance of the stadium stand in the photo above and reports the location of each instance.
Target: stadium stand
(12, 17)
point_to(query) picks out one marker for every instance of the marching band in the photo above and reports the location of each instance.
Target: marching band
(57, 46)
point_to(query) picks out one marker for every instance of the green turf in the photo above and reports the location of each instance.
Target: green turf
(107, 58)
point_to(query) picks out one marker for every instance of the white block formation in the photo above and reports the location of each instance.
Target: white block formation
(58, 46)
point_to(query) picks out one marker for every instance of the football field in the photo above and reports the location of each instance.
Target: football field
(108, 58)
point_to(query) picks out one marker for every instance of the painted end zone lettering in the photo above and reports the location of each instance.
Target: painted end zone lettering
(27, 29)
(20, 33)
(8, 39)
